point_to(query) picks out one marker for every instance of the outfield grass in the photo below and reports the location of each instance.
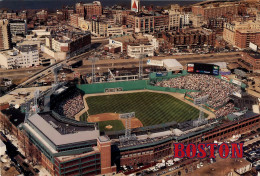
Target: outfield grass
(117, 125)
(150, 108)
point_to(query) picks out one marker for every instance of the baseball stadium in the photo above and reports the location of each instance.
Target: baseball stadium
(91, 129)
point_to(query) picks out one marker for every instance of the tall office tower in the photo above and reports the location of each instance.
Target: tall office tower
(135, 5)
(5, 35)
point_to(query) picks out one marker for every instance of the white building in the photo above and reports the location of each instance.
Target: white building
(184, 19)
(18, 27)
(174, 20)
(114, 30)
(20, 57)
(138, 50)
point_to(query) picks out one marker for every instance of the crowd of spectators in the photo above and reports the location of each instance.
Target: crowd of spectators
(218, 90)
(71, 105)
(225, 110)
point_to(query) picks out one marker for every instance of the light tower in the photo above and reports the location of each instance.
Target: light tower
(93, 61)
(140, 73)
(128, 136)
(200, 102)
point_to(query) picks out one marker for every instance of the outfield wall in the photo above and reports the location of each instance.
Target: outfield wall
(125, 85)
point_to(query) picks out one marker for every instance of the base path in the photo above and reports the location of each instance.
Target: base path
(135, 122)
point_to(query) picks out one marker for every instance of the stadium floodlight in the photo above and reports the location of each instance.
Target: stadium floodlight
(93, 61)
(200, 102)
(127, 117)
(141, 57)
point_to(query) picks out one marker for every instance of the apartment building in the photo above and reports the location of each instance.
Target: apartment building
(18, 27)
(20, 57)
(5, 35)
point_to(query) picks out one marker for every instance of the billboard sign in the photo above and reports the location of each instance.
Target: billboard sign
(201, 68)
(155, 62)
(253, 46)
(190, 68)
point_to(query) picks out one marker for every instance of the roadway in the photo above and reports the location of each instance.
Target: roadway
(126, 63)
(184, 59)
(47, 70)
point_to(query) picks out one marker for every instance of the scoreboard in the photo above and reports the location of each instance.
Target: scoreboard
(201, 68)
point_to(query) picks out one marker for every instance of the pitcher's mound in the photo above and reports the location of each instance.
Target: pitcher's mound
(109, 127)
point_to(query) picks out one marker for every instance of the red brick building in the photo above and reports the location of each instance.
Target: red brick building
(74, 20)
(190, 38)
(215, 9)
(250, 60)
(89, 9)
(243, 37)
(161, 23)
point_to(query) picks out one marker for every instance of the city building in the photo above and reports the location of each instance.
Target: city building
(250, 60)
(42, 15)
(63, 44)
(240, 34)
(174, 18)
(134, 45)
(18, 27)
(114, 30)
(191, 38)
(89, 9)
(215, 9)
(5, 35)
(197, 20)
(99, 28)
(83, 24)
(8, 15)
(20, 57)
(216, 23)
(74, 20)
(144, 23)
(161, 22)
(184, 19)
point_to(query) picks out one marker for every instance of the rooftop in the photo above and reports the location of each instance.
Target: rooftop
(253, 54)
(14, 115)
(26, 48)
(21, 95)
(62, 131)
(103, 138)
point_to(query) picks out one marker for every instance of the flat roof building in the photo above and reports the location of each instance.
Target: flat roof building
(5, 35)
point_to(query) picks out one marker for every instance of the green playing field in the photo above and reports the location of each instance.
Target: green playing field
(149, 107)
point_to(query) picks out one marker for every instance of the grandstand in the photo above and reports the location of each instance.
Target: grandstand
(218, 90)
(67, 101)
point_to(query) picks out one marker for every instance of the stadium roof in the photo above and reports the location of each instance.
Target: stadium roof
(172, 65)
(60, 133)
